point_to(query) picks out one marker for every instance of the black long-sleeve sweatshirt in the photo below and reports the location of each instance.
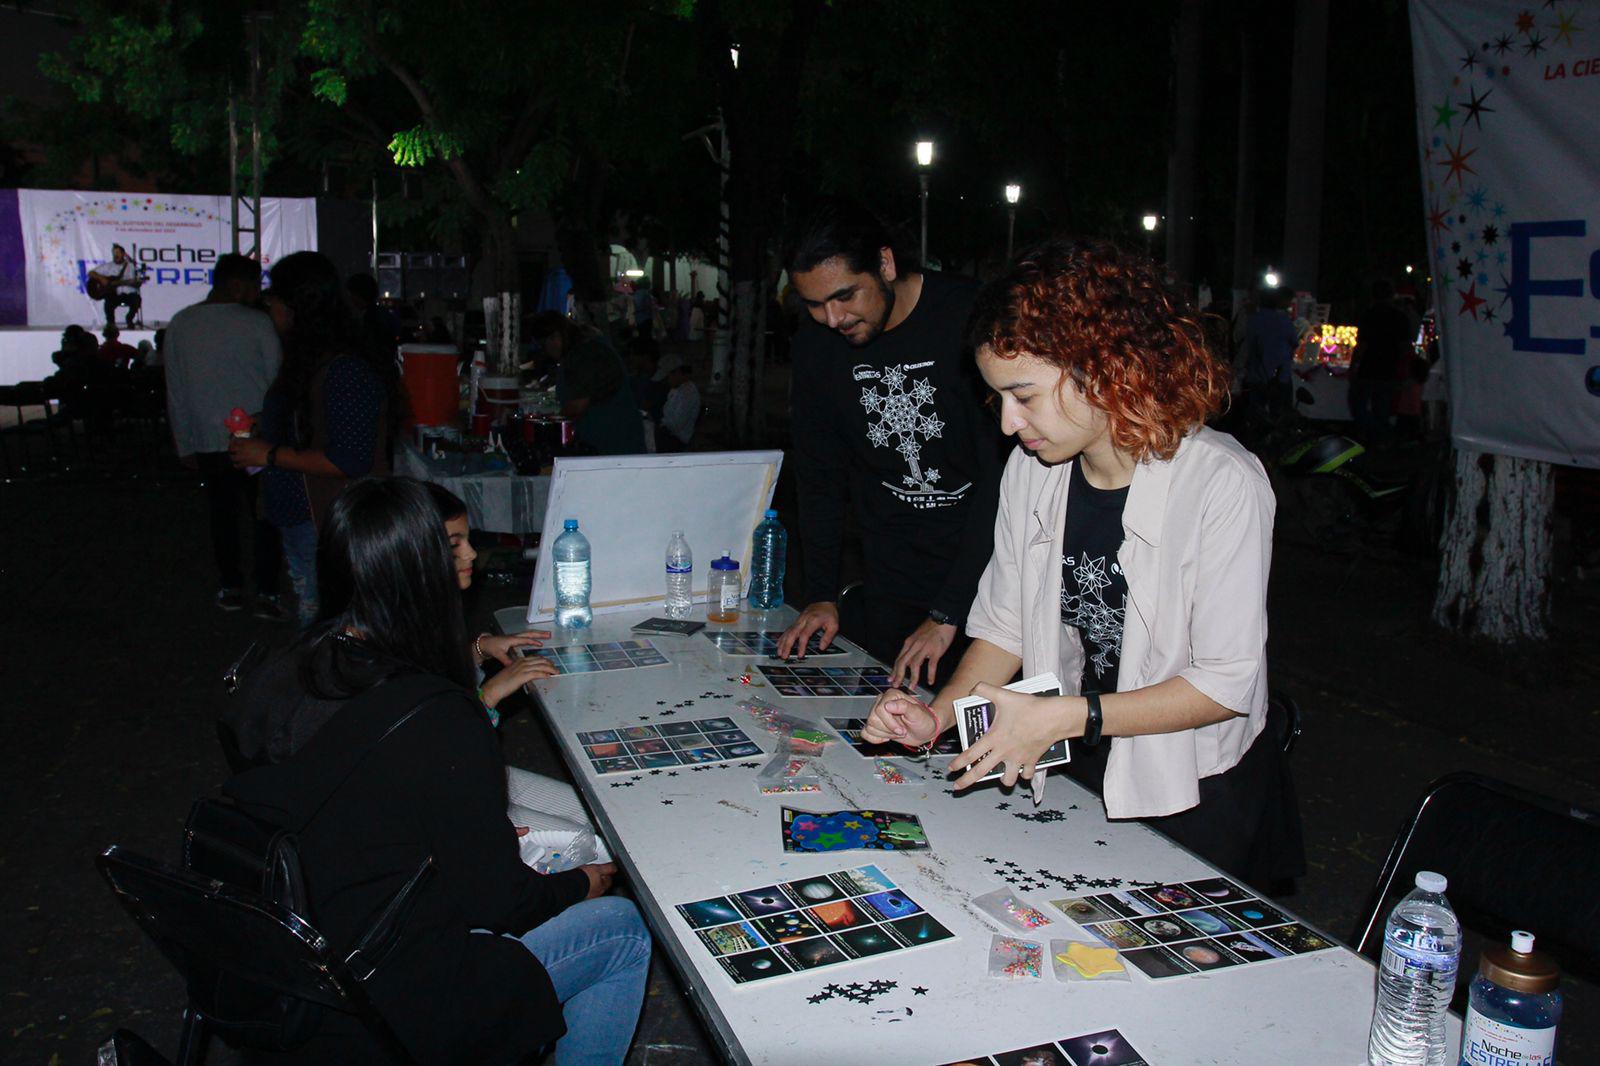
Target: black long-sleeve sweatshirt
(896, 430)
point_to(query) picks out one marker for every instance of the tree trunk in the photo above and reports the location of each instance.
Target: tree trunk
(1494, 570)
(1244, 190)
(744, 341)
(1181, 162)
(1308, 97)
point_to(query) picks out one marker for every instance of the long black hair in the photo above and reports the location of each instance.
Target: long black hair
(325, 326)
(387, 584)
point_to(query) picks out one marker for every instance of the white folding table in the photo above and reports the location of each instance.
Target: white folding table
(719, 835)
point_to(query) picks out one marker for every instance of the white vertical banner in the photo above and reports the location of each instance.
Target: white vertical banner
(1508, 123)
(176, 239)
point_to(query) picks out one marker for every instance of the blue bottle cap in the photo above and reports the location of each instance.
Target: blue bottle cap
(771, 513)
(727, 562)
(571, 523)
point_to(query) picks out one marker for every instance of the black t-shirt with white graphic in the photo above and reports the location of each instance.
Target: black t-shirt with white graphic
(1093, 588)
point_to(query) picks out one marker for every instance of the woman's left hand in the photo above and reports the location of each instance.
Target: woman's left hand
(515, 676)
(1024, 727)
(499, 648)
(248, 451)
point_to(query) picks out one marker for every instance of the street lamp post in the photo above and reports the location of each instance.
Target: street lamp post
(1013, 194)
(1150, 222)
(924, 161)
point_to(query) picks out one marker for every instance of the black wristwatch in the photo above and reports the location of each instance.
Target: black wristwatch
(943, 619)
(272, 457)
(1095, 721)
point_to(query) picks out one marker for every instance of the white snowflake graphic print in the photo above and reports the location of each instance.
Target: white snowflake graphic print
(905, 418)
(1098, 622)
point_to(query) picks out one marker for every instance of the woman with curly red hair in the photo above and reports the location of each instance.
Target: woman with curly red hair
(1132, 548)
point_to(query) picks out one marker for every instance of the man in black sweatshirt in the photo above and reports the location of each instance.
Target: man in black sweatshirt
(888, 421)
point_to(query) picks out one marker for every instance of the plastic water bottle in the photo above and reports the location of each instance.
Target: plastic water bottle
(1416, 978)
(725, 589)
(1514, 1008)
(571, 556)
(680, 576)
(767, 557)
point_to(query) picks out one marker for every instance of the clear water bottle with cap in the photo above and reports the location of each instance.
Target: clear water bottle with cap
(768, 554)
(570, 554)
(1416, 978)
(680, 576)
(726, 587)
(1514, 1007)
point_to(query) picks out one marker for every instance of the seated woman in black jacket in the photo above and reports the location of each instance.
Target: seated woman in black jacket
(494, 961)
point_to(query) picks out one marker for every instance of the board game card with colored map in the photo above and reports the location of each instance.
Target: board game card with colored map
(627, 749)
(1183, 928)
(845, 830)
(826, 681)
(593, 658)
(764, 644)
(850, 729)
(810, 923)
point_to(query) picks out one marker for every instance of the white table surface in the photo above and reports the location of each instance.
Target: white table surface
(720, 835)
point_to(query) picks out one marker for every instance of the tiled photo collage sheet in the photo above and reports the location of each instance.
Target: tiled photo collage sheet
(830, 681)
(612, 655)
(650, 747)
(1185, 928)
(1107, 1048)
(764, 643)
(850, 729)
(809, 924)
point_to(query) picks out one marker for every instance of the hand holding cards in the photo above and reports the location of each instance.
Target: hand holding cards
(975, 716)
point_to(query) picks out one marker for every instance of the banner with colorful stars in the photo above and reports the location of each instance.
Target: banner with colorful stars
(62, 235)
(1508, 120)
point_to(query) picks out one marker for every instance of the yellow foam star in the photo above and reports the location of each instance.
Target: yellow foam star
(1090, 961)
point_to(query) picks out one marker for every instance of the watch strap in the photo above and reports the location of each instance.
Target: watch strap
(1095, 721)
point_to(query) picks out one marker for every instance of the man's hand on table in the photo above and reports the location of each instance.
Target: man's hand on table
(601, 874)
(923, 648)
(902, 718)
(820, 617)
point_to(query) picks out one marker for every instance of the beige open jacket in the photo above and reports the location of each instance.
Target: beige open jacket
(1196, 551)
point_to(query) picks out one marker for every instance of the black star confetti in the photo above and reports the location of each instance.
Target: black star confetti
(1046, 815)
(918, 990)
(666, 803)
(1100, 843)
(855, 992)
(655, 773)
(1002, 806)
(672, 773)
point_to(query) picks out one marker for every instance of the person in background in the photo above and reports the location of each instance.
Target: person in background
(889, 426)
(381, 325)
(1132, 549)
(328, 416)
(115, 354)
(649, 384)
(493, 961)
(221, 354)
(680, 413)
(1380, 363)
(696, 331)
(592, 385)
(1269, 343)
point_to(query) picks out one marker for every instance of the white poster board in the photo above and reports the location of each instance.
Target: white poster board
(628, 505)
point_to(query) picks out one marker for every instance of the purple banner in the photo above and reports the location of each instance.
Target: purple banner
(13, 263)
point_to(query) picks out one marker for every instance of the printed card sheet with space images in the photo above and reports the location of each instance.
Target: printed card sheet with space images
(648, 747)
(1105, 1048)
(764, 643)
(850, 729)
(603, 657)
(1183, 928)
(810, 923)
(832, 682)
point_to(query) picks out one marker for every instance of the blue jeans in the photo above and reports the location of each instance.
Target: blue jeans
(597, 954)
(300, 554)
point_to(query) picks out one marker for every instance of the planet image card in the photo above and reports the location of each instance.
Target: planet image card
(840, 915)
(921, 929)
(1132, 906)
(605, 751)
(697, 755)
(1256, 913)
(1038, 1055)
(1108, 1048)
(1084, 911)
(711, 725)
(1297, 938)
(818, 951)
(1252, 947)
(754, 965)
(638, 732)
(1157, 962)
(726, 736)
(614, 766)
(755, 902)
(1206, 922)
(677, 729)
(648, 747)
(1219, 890)
(707, 912)
(739, 751)
(1207, 955)
(731, 939)
(1170, 897)
(869, 940)
(783, 928)
(693, 740)
(894, 904)
(599, 736)
(1120, 934)
(814, 890)
(1164, 930)
(657, 761)
(863, 880)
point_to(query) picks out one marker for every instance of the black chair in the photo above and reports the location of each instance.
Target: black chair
(208, 929)
(1515, 860)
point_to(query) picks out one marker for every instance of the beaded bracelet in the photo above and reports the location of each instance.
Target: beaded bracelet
(477, 646)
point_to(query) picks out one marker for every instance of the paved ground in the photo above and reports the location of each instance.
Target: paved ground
(110, 653)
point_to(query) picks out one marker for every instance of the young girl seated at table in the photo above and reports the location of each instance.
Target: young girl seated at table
(1131, 553)
(550, 819)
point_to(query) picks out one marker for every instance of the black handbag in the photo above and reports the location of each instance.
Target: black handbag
(225, 841)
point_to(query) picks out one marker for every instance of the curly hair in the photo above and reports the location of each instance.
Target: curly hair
(1124, 333)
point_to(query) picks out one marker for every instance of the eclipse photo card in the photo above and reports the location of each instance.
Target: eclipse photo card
(1105, 1048)
(810, 923)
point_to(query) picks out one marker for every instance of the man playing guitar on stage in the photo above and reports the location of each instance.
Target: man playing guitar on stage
(116, 284)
